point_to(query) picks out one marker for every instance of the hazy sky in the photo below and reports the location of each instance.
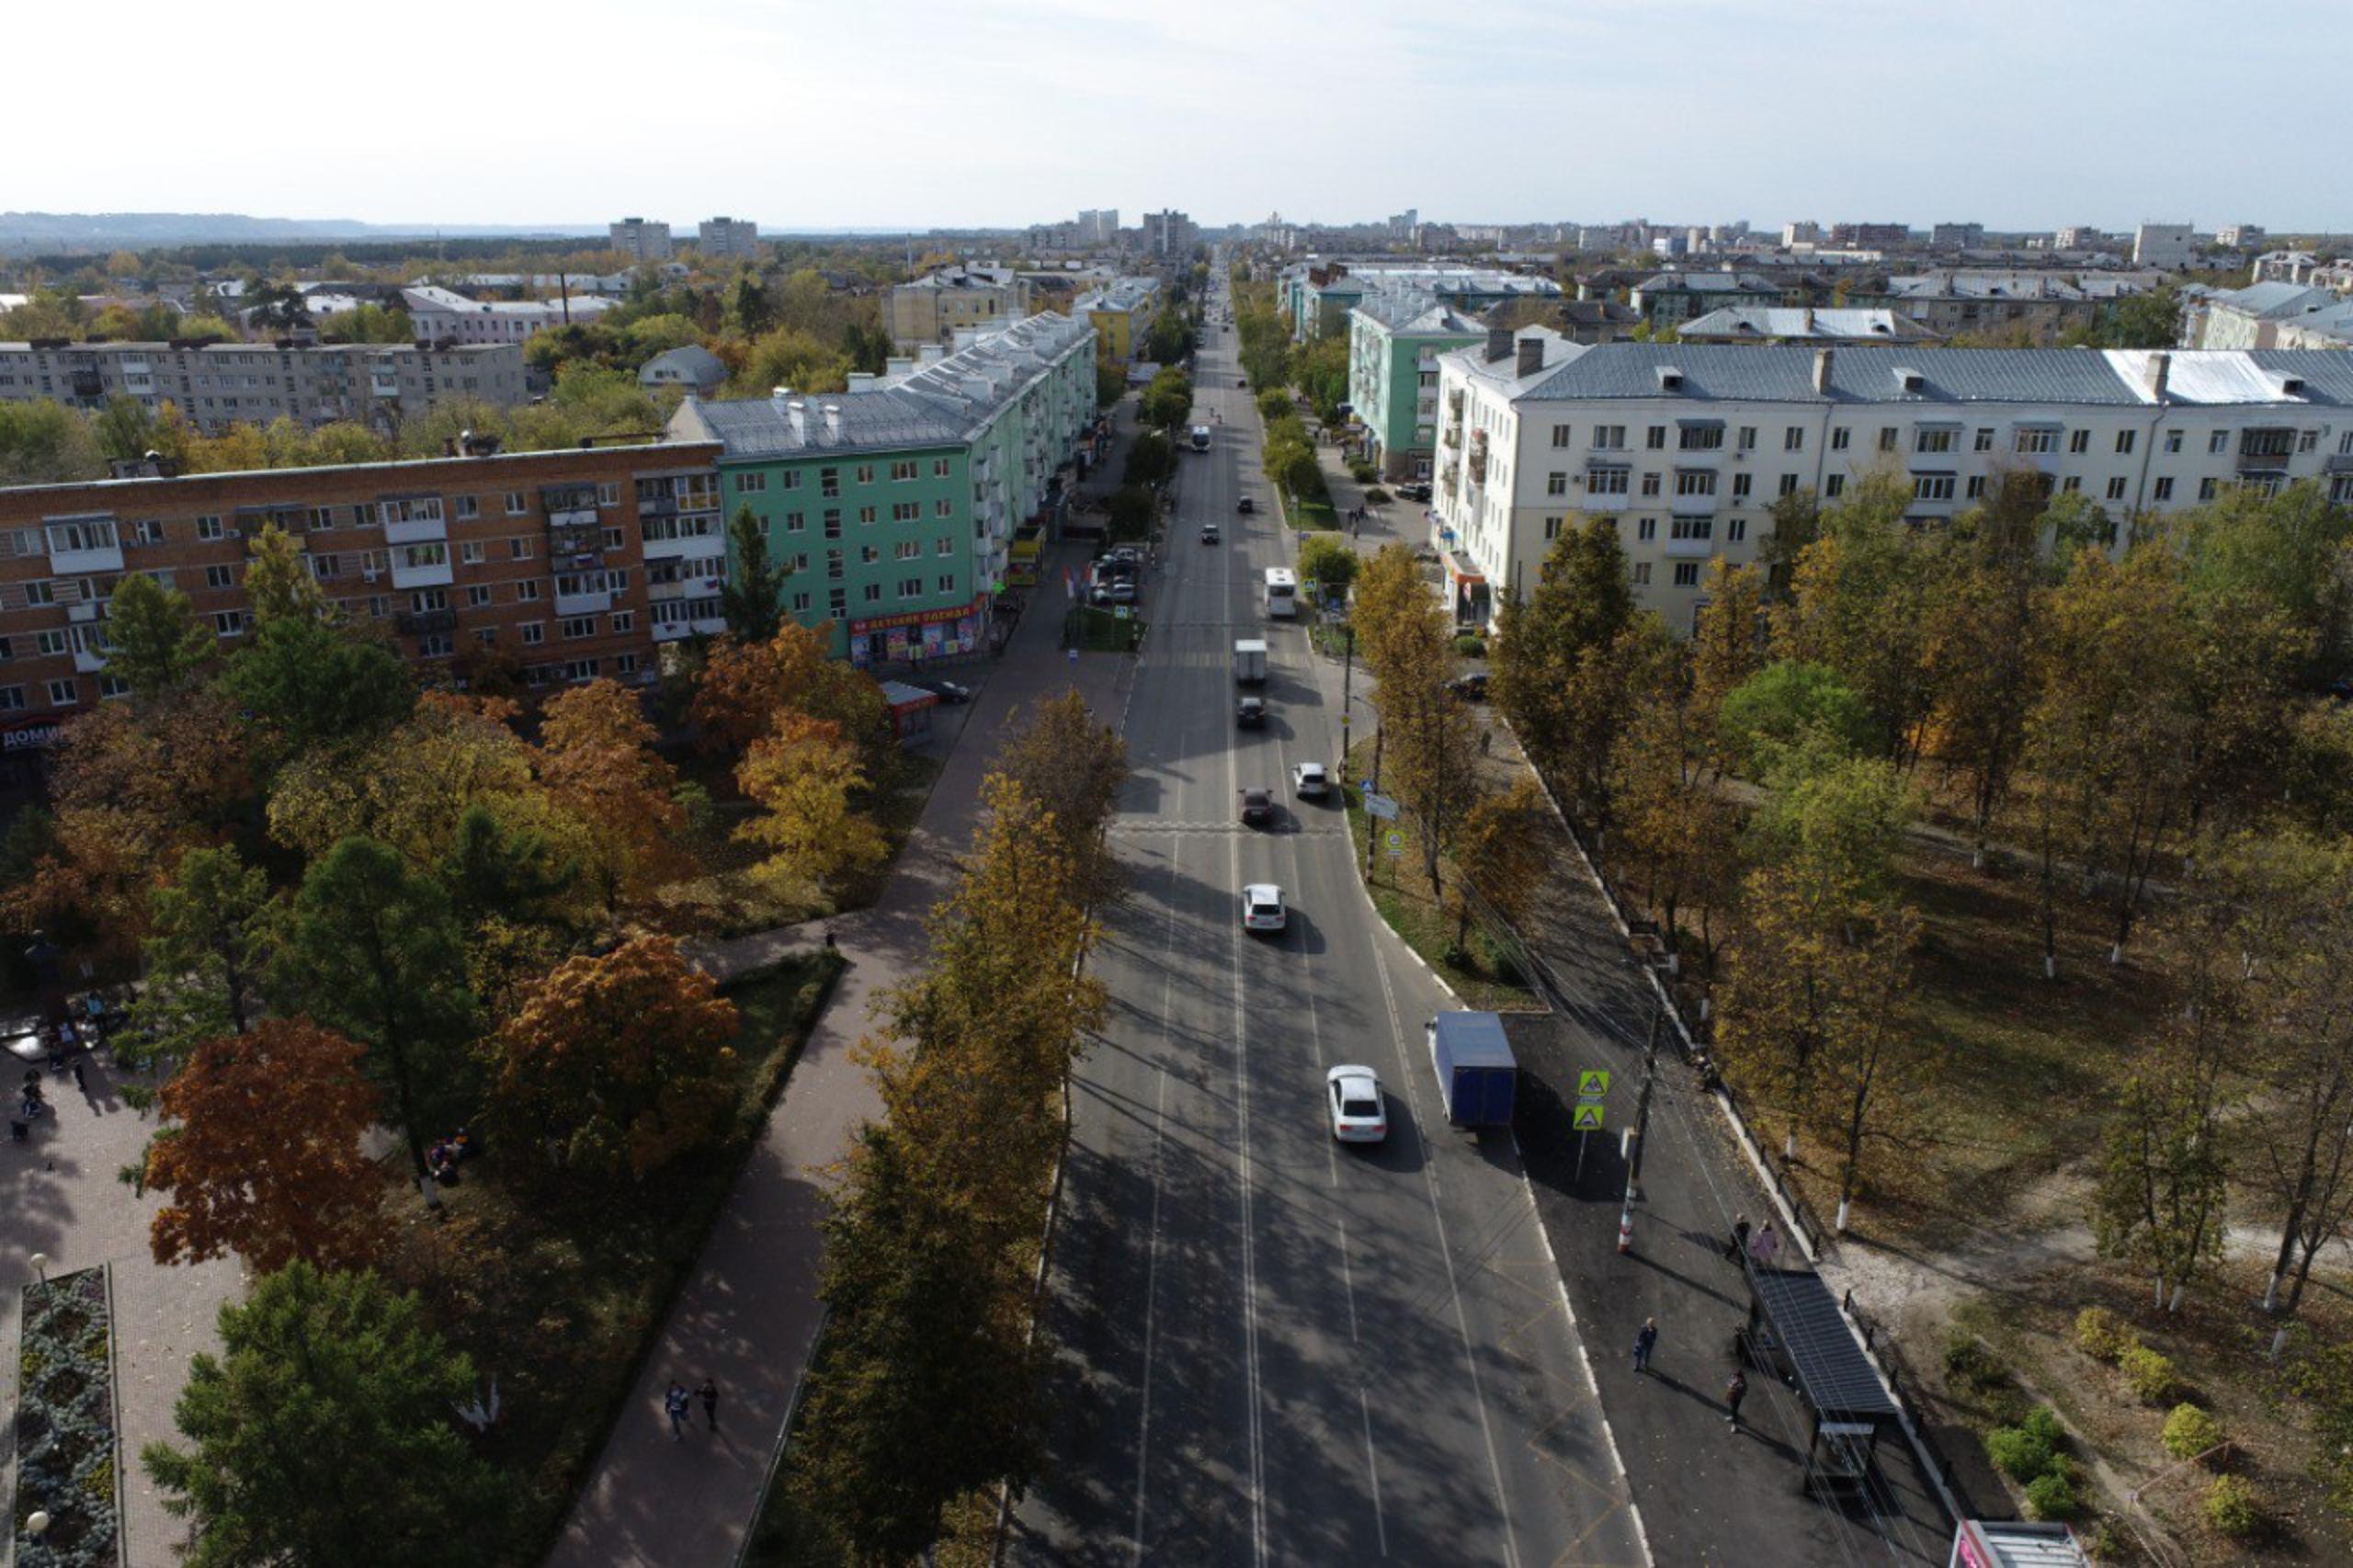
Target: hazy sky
(2019, 113)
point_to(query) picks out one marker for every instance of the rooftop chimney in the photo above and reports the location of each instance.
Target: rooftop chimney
(1822, 369)
(1498, 343)
(796, 412)
(779, 395)
(930, 354)
(1531, 356)
(862, 380)
(2155, 371)
(833, 420)
(899, 367)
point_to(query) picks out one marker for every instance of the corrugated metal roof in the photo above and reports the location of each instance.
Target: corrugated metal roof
(1832, 1374)
(1857, 325)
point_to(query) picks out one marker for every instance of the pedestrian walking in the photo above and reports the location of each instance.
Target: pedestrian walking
(81, 1081)
(1739, 1238)
(675, 1404)
(1645, 1340)
(1486, 740)
(1765, 1246)
(709, 1395)
(1734, 1391)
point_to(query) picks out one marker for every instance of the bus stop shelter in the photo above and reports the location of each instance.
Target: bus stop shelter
(1796, 1331)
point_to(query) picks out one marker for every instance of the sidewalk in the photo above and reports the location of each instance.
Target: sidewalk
(1706, 1494)
(748, 1316)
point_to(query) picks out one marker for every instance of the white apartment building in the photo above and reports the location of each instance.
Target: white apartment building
(220, 384)
(2168, 245)
(1686, 445)
(734, 238)
(442, 316)
(641, 240)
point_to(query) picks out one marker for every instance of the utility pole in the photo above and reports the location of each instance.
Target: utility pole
(1372, 827)
(1642, 1103)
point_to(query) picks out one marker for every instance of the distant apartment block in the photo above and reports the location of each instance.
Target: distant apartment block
(1801, 232)
(219, 384)
(936, 306)
(731, 238)
(443, 315)
(1098, 226)
(1685, 447)
(641, 240)
(2166, 245)
(1119, 313)
(2076, 236)
(1957, 236)
(580, 563)
(1870, 236)
(1317, 298)
(893, 508)
(1170, 233)
(2267, 315)
(1670, 299)
(1951, 301)
(2240, 236)
(1394, 341)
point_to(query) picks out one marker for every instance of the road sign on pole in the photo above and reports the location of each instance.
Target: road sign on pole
(1586, 1117)
(1396, 843)
(1592, 1084)
(1382, 806)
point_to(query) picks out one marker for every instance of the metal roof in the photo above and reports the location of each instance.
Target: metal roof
(1836, 1378)
(1844, 324)
(1475, 1039)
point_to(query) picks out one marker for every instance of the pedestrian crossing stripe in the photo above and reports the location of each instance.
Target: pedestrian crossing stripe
(1592, 1084)
(1586, 1119)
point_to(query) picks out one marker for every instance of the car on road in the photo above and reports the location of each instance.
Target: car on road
(1251, 712)
(1471, 688)
(1118, 591)
(1243, 383)
(1352, 1095)
(1310, 781)
(1245, 506)
(1257, 807)
(948, 691)
(1209, 533)
(1262, 907)
(1414, 492)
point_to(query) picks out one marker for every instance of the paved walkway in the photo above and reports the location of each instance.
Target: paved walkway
(748, 1316)
(64, 1201)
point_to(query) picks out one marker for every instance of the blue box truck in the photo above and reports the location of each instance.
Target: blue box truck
(1476, 1072)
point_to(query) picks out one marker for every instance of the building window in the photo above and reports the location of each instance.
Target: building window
(2124, 439)
(2031, 441)
(478, 597)
(902, 468)
(907, 550)
(1560, 436)
(1887, 438)
(1552, 528)
(2116, 489)
(521, 549)
(12, 698)
(1646, 529)
(1695, 481)
(833, 522)
(1793, 438)
(801, 603)
(1657, 438)
(1686, 574)
(2219, 442)
(1748, 437)
(220, 576)
(837, 602)
(1608, 481)
(147, 533)
(2074, 482)
(1838, 439)
(911, 587)
(943, 507)
(865, 473)
(1834, 485)
(528, 591)
(866, 517)
(1556, 485)
(943, 547)
(868, 554)
(63, 693)
(625, 663)
(1932, 486)
(208, 528)
(534, 633)
(2173, 440)
(471, 552)
(436, 646)
(751, 483)
(1740, 486)
(1691, 528)
(1735, 529)
(905, 511)
(1700, 438)
(575, 627)
(1984, 441)
(469, 508)
(1650, 484)
(2079, 442)
(941, 468)
(1933, 440)
(580, 669)
(608, 492)
(2164, 488)
(871, 592)
(624, 621)
(829, 482)
(1641, 573)
(229, 623)
(1789, 485)
(426, 600)
(1610, 438)
(1976, 486)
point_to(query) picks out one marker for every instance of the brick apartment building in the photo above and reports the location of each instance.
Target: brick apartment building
(582, 561)
(219, 384)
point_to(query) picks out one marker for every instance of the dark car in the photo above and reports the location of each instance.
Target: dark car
(1471, 688)
(1251, 712)
(1209, 533)
(1257, 807)
(1245, 506)
(948, 691)
(1242, 381)
(1414, 492)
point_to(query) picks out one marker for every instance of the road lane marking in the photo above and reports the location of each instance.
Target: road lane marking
(1151, 1255)
(1364, 1402)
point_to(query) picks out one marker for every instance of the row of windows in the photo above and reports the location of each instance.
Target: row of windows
(1709, 435)
(755, 481)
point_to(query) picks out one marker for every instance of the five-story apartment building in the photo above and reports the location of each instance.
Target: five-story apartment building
(219, 384)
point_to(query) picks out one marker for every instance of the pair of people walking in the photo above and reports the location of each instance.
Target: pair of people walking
(1761, 1249)
(678, 1404)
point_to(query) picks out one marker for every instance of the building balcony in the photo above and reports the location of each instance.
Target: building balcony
(1690, 548)
(100, 558)
(693, 547)
(579, 604)
(436, 575)
(83, 611)
(673, 631)
(417, 532)
(418, 623)
(2262, 462)
(89, 661)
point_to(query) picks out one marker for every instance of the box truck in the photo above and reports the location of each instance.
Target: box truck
(1477, 1073)
(1250, 661)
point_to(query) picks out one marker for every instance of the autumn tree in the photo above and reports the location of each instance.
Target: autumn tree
(1858, 605)
(1429, 743)
(752, 597)
(279, 583)
(1673, 823)
(1389, 591)
(618, 1064)
(153, 640)
(1549, 639)
(323, 1433)
(1073, 766)
(597, 757)
(1499, 854)
(208, 949)
(743, 686)
(265, 1154)
(1728, 642)
(371, 949)
(1875, 1056)
(410, 785)
(804, 777)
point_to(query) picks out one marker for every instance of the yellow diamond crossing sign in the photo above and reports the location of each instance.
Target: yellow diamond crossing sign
(1592, 1084)
(1586, 1117)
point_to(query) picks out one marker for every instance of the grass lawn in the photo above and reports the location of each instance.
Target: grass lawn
(1313, 516)
(559, 1295)
(1481, 976)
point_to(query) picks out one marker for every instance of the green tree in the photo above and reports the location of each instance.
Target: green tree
(278, 578)
(1072, 767)
(373, 950)
(1168, 401)
(44, 442)
(1567, 656)
(1130, 511)
(752, 597)
(322, 1433)
(154, 643)
(2151, 319)
(1859, 604)
(1782, 705)
(124, 428)
(510, 872)
(1326, 561)
(208, 949)
(305, 683)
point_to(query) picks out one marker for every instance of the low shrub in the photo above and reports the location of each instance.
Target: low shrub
(2233, 1509)
(2017, 1452)
(2149, 1375)
(1968, 1360)
(2104, 1336)
(1471, 646)
(2044, 1422)
(2190, 1431)
(2051, 1496)
(1377, 496)
(1363, 473)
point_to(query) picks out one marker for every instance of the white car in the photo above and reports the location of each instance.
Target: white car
(1310, 781)
(1353, 1097)
(1262, 907)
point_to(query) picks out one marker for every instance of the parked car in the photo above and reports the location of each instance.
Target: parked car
(1262, 907)
(1414, 492)
(1245, 506)
(946, 690)
(1353, 1097)
(1251, 712)
(1242, 381)
(1311, 781)
(1118, 591)
(1209, 533)
(1471, 688)
(1257, 807)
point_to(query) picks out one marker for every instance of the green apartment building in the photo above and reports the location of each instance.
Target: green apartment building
(891, 506)
(1394, 340)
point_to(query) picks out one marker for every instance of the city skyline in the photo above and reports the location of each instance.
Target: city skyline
(1710, 111)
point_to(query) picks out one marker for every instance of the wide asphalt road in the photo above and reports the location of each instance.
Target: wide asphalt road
(1267, 1348)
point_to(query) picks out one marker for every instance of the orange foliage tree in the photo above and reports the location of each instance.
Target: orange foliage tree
(802, 773)
(266, 1158)
(743, 686)
(618, 1064)
(597, 757)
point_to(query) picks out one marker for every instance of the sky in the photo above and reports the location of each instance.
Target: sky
(895, 113)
